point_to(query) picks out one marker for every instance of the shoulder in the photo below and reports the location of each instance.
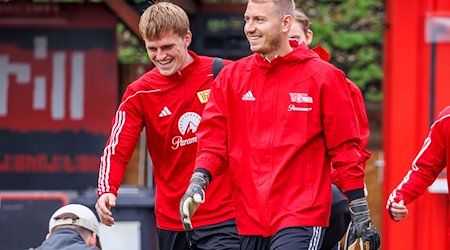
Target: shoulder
(354, 89)
(321, 71)
(445, 112)
(239, 68)
(242, 63)
(204, 65)
(443, 120)
(150, 80)
(325, 66)
(205, 59)
(444, 115)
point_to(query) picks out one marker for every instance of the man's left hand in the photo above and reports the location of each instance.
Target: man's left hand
(361, 227)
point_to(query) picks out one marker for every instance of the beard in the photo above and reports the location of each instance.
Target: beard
(269, 47)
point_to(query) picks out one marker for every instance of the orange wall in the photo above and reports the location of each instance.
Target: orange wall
(406, 119)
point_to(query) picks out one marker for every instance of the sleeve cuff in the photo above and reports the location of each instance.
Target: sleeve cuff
(355, 194)
(205, 172)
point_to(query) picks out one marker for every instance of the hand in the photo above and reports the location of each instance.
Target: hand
(361, 227)
(398, 211)
(103, 207)
(192, 198)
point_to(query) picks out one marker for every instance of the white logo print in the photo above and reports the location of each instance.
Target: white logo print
(165, 112)
(300, 98)
(187, 124)
(292, 107)
(248, 96)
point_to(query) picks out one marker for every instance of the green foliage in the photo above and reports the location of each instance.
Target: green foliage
(130, 49)
(352, 31)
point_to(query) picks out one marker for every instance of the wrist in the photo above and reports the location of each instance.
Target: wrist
(206, 174)
(355, 194)
(199, 179)
(359, 209)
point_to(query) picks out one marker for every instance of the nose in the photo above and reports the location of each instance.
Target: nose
(159, 54)
(249, 27)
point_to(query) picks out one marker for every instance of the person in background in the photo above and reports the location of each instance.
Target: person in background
(168, 102)
(277, 119)
(340, 214)
(73, 226)
(432, 158)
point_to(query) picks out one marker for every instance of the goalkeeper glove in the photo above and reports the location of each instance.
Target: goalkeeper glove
(194, 195)
(361, 227)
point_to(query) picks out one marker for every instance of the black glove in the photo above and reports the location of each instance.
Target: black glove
(194, 195)
(361, 227)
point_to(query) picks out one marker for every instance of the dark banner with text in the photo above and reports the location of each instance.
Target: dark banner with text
(58, 93)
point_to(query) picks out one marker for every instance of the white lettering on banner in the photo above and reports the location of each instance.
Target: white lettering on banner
(59, 86)
(77, 87)
(178, 141)
(292, 107)
(22, 72)
(39, 94)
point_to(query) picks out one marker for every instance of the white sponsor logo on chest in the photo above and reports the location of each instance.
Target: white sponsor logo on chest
(292, 107)
(300, 98)
(187, 124)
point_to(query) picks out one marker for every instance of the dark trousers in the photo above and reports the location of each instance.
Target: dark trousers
(221, 236)
(298, 238)
(339, 220)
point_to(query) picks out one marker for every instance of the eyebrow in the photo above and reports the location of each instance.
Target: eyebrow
(165, 46)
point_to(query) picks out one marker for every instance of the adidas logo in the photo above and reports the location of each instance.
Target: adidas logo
(248, 96)
(165, 112)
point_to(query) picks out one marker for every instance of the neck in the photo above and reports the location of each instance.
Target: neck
(187, 60)
(283, 50)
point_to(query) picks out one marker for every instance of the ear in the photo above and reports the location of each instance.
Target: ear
(47, 236)
(92, 239)
(286, 23)
(309, 37)
(188, 39)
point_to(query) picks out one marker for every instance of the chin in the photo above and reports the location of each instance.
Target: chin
(255, 49)
(259, 47)
(166, 72)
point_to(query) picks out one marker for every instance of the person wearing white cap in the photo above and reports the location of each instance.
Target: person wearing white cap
(73, 226)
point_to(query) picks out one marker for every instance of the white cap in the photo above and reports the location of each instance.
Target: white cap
(86, 218)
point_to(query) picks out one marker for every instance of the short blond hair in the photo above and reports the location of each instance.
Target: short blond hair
(302, 18)
(162, 18)
(284, 7)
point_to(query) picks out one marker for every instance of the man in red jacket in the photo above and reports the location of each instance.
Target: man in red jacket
(168, 102)
(277, 119)
(426, 167)
(340, 215)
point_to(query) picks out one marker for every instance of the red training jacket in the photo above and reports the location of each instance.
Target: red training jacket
(169, 108)
(277, 125)
(428, 164)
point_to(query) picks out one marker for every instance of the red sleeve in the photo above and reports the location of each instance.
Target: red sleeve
(212, 131)
(342, 132)
(335, 179)
(363, 122)
(358, 102)
(126, 128)
(427, 165)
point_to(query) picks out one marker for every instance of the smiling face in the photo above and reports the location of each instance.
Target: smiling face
(266, 28)
(169, 52)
